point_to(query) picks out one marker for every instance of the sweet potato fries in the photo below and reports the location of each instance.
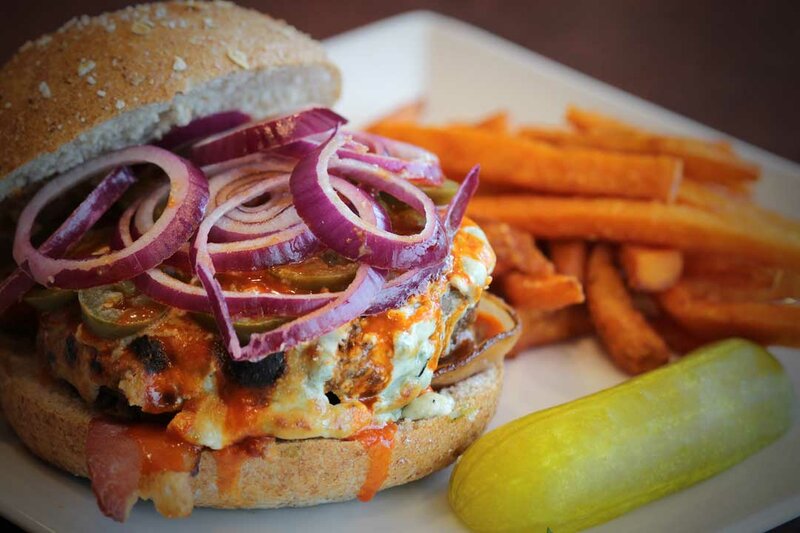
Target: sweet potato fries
(652, 241)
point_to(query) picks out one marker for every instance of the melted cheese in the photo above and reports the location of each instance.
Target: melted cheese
(429, 405)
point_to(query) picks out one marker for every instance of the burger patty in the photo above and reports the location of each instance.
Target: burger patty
(362, 373)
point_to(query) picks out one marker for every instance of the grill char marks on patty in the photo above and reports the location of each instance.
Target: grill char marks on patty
(156, 371)
(151, 353)
(260, 374)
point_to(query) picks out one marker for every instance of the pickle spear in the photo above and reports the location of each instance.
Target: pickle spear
(585, 462)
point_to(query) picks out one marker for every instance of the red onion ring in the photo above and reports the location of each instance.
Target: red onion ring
(184, 211)
(81, 220)
(173, 292)
(424, 170)
(264, 135)
(340, 229)
(458, 205)
(399, 290)
(411, 162)
(202, 127)
(272, 158)
(164, 288)
(246, 222)
(282, 239)
(348, 304)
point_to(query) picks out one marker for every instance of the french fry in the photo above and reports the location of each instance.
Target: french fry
(700, 162)
(724, 202)
(546, 293)
(650, 223)
(650, 269)
(590, 121)
(496, 122)
(410, 112)
(547, 327)
(515, 250)
(703, 160)
(734, 272)
(585, 120)
(632, 343)
(731, 289)
(569, 258)
(767, 323)
(509, 160)
(678, 338)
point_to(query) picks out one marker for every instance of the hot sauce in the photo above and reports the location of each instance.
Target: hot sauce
(487, 326)
(378, 443)
(161, 450)
(229, 461)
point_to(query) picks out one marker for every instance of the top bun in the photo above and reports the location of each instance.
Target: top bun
(103, 83)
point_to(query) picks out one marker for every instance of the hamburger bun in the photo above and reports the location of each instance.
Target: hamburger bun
(53, 422)
(102, 83)
(125, 78)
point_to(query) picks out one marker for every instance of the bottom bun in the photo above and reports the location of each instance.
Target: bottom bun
(53, 423)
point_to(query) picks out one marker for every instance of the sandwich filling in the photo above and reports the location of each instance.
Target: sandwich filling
(370, 371)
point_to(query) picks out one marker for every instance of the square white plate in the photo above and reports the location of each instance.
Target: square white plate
(465, 73)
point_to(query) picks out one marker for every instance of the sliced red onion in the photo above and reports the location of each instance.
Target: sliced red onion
(173, 292)
(419, 171)
(248, 222)
(81, 220)
(14, 288)
(184, 211)
(285, 245)
(458, 205)
(164, 288)
(203, 127)
(264, 135)
(397, 292)
(271, 158)
(412, 162)
(348, 304)
(333, 223)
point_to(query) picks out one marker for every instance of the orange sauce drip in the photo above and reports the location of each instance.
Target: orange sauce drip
(487, 326)
(242, 407)
(379, 443)
(229, 461)
(162, 451)
(260, 281)
(141, 313)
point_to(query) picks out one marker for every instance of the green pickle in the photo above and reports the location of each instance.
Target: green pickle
(576, 465)
(326, 271)
(48, 299)
(442, 194)
(119, 310)
(244, 327)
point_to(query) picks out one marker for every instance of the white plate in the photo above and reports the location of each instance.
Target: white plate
(464, 73)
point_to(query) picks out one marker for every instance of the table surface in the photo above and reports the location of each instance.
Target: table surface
(734, 66)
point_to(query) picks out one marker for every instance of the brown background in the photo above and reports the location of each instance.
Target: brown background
(730, 64)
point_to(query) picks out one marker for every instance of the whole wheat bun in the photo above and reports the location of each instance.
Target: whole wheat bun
(103, 83)
(53, 423)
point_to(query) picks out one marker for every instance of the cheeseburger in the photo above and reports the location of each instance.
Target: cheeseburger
(239, 301)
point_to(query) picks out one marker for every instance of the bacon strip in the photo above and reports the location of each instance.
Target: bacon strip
(115, 468)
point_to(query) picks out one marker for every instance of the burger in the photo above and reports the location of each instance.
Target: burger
(220, 294)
